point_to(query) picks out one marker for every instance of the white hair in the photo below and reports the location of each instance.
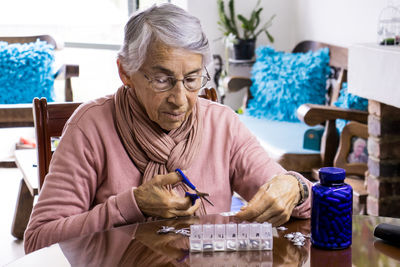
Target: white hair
(165, 23)
(360, 141)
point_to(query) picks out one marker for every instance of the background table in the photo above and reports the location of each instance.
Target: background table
(140, 245)
(26, 160)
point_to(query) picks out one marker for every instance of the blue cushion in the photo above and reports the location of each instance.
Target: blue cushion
(26, 71)
(278, 137)
(284, 81)
(349, 101)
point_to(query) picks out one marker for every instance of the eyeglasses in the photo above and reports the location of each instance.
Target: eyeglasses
(162, 83)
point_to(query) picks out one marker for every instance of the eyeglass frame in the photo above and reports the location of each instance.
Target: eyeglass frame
(175, 80)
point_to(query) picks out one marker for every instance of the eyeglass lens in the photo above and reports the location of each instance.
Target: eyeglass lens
(192, 83)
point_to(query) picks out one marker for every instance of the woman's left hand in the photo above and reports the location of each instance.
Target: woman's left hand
(274, 201)
(156, 200)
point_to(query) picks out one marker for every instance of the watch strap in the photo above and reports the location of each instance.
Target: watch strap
(304, 193)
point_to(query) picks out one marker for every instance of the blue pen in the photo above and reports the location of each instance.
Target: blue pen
(186, 181)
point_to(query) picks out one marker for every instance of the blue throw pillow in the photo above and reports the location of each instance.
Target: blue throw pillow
(349, 101)
(26, 71)
(284, 81)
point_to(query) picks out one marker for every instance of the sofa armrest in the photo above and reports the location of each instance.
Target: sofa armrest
(235, 83)
(66, 72)
(20, 115)
(312, 114)
(16, 115)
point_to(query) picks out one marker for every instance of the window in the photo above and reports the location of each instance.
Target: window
(147, 3)
(88, 21)
(73, 21)
(92, 32)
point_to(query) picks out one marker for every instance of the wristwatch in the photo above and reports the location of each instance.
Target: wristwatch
(304, 193)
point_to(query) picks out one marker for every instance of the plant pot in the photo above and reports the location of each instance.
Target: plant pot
(244, 49)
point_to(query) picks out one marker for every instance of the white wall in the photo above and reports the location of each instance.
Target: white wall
(340, 22)
(282, 30)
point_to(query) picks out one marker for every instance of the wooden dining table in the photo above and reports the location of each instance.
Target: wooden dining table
(140, 245)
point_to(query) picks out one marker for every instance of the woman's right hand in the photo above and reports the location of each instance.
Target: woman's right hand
(154, 199)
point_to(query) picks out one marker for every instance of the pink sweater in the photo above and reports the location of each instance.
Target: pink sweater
(91, 177)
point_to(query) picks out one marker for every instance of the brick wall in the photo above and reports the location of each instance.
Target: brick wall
(383, 179)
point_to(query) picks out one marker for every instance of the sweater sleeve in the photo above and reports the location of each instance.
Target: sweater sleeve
(251, 167)
(65, 206)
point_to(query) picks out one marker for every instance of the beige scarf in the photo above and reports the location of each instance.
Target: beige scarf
(151, 149)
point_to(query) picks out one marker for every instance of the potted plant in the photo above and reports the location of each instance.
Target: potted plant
(244, 40)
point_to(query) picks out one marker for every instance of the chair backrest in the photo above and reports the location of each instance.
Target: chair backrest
(50, 119)
(338, 63)
(65, 72)
(29, 39)
(210, 94)
(20, 115)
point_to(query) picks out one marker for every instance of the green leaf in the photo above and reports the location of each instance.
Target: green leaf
(251, 27)
(221, 13)
(270, 37)
(227, 24)
(232, 18)
(269, 22)
(245, 22)
(246, 26)
(257, 18)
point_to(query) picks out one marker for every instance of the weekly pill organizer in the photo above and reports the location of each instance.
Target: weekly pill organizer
(230, 237)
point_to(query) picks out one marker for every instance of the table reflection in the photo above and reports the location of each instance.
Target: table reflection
(388, 249)
(140, 245)
(331, 258)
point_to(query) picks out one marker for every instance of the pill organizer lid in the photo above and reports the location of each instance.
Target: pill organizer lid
(331, 174)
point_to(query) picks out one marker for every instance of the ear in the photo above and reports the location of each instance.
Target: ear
(123, 75)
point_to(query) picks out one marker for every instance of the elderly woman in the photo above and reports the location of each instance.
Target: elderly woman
(116, 161)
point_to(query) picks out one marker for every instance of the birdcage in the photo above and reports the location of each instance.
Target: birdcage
(389, 26)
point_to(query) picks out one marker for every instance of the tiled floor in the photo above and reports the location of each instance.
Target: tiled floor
(10, 247)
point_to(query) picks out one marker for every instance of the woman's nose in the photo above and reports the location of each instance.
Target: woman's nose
(178, 94)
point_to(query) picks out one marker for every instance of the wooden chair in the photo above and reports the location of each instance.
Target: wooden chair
(210, 94)
(20, 115)
(357, 127)
(49, 121)
(355, 171)
(304, 163)
(65, 72)
(326, 115)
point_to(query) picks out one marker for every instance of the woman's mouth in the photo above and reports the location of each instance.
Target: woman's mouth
(175, 116)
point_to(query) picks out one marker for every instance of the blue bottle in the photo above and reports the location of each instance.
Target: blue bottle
(332, 209)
